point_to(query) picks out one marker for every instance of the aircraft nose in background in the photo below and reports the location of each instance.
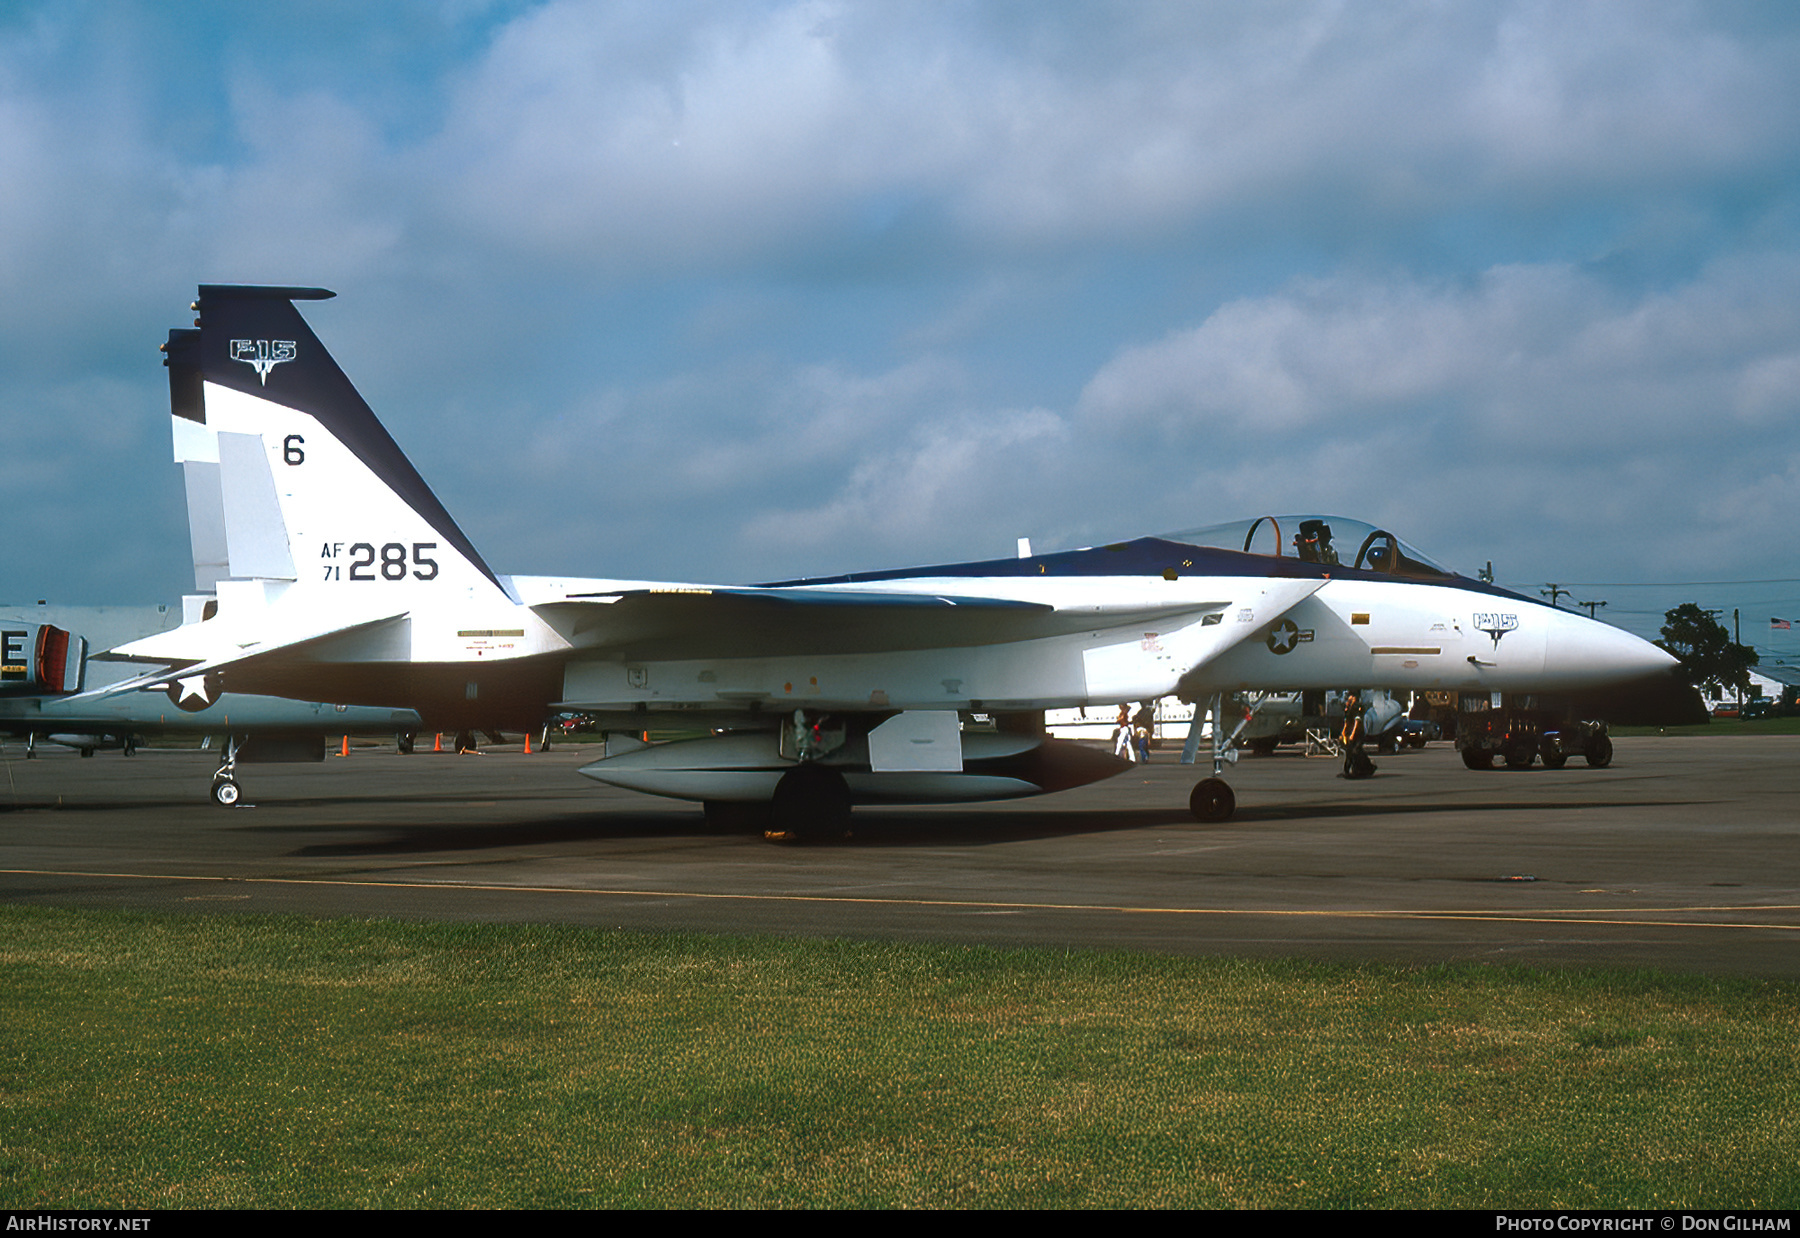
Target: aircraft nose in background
(1584, 653)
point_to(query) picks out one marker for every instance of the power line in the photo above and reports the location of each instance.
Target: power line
(1680, 584)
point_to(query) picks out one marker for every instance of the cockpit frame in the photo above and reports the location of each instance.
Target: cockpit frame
(1379, 550)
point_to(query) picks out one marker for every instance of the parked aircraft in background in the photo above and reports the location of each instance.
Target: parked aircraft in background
(46, 693)
(336, 572)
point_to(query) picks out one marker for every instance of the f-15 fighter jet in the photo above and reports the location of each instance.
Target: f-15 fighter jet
(336, 573)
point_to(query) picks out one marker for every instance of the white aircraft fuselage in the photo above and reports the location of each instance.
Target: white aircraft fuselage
(336, 574)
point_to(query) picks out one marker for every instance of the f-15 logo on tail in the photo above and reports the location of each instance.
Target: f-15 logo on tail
(1495, 626)
(263, 355)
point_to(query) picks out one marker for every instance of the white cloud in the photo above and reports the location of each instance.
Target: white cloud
(1532, 415)
(806, 262)
(935, 495)
(1524, 349)
(1534, 390)
(318, 193)
(594, 132)
(634, 134)
(1768, 392)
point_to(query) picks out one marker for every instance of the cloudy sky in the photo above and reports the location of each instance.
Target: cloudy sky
(740, 291)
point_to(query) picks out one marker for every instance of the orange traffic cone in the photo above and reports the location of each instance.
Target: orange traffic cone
(346, 749)
(528, 743)
(437, 744)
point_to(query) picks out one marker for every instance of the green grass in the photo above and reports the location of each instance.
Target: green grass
(179, 1062)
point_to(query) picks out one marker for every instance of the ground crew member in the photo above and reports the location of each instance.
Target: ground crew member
(1356, 761)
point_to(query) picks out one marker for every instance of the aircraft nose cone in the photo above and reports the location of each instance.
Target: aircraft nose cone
(1584, 652)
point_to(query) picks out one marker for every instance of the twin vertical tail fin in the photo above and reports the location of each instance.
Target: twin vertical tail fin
(290, 477)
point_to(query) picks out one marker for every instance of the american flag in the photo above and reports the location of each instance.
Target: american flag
(1783, 624)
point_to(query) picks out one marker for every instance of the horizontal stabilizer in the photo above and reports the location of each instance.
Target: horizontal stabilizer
(177, 650)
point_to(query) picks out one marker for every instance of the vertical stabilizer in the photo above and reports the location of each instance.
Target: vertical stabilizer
(290, 478)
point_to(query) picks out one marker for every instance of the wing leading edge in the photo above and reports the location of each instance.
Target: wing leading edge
(735, 622)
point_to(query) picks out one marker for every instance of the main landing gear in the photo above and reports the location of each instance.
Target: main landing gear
(225, 790)
(811, 801)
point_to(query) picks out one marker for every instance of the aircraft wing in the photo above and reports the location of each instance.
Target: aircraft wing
(708, 622)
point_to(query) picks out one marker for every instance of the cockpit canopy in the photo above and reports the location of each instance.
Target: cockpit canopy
(1329, 540)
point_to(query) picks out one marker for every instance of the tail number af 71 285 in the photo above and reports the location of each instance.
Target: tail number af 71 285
(389, 563)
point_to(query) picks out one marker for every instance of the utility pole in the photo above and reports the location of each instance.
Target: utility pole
(1554, 591)
(1592, 607)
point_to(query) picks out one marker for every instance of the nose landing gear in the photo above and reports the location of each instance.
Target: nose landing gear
(1212, 798)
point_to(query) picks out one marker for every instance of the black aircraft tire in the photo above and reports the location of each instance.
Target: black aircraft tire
(1599, 751)
(810, 801)
(226, 793)
(405, 741)
(1212, 800)
(1478, 758)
